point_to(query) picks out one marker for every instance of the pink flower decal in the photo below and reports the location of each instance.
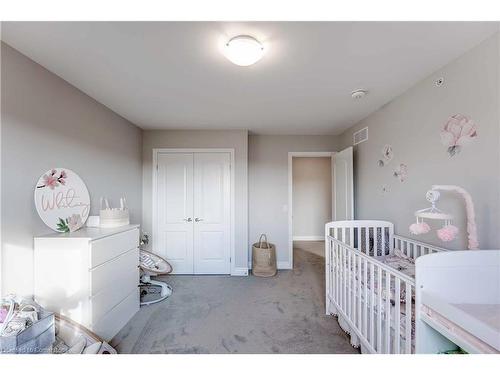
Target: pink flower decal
(401, 172)
(51, 180)
(447, 233)
(456, 132)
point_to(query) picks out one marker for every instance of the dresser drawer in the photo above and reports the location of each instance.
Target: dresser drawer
(103, 276)
(110, 247)
(113, 321)
(116, 291)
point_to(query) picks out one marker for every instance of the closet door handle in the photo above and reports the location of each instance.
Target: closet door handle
(188, 220)
(198, 219)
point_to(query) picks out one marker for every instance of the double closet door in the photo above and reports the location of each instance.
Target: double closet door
(194, 211)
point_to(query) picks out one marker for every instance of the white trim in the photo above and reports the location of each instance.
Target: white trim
(284, 265)
(291, 155)
(234, 271)
(308, 238)
(334, 178)
(239, 271)
(280, 265)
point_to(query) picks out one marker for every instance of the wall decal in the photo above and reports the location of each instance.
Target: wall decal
(387, 155)
(385, 189)
(62, 200)
(401, 172)
(456, 132)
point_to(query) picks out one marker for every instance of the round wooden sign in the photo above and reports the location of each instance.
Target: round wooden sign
(62, 200)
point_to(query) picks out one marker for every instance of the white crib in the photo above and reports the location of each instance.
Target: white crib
(373, 301)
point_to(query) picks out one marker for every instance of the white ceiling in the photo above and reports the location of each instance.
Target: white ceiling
(173, 75)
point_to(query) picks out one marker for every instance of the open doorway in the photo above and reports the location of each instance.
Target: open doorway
(310, 201)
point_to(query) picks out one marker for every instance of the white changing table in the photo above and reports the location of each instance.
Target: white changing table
(458, 302)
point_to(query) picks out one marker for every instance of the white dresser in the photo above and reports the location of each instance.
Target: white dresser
(90, 276)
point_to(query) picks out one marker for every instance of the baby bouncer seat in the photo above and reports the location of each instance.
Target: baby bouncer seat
(153, 291)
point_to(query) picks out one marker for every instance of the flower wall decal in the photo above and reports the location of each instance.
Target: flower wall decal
(401, 172)
(456, 132)
(387, 155)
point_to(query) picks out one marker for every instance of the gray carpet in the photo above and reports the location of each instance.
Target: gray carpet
(222, 314)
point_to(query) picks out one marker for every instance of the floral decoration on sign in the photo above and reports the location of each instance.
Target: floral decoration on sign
(401, 172)
(70, 224)
(51, 180)
(456, 132)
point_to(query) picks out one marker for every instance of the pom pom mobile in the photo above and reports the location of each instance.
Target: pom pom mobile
(448, 232)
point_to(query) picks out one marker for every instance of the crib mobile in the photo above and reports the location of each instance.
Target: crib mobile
(449, 231)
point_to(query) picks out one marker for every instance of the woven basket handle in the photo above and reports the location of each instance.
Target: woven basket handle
(265, 241)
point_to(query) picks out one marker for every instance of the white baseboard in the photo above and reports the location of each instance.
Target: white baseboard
(308, 238)
(240, 271)
(280, 265)
(284, 266)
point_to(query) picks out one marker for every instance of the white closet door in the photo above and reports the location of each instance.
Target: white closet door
(175, 210)
(344, 185)
(212, 213)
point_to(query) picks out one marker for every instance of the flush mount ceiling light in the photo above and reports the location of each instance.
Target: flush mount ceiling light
(358, 94)
(243, 50)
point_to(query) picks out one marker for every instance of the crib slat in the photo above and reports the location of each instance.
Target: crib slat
(342, 278)
(339, 276)
(372, 302)
(348, 284)
(397, 324)
(387, 312)
(331, 270)
(365, 290)
(335, 273)
(344, 266)
(353, 289)
(408, 319)
(379, 310)
(358, 297)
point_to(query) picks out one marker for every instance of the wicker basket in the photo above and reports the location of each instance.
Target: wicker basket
(263, 258)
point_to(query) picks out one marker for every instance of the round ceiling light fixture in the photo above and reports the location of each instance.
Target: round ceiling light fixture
(244, 50)
(358, 94)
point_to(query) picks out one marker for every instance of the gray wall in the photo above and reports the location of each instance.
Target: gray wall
(312, 196)
(48, 123)
(237, 139)
(268, 184)
(411, 123)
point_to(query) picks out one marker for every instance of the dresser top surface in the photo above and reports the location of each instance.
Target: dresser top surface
(89, 233)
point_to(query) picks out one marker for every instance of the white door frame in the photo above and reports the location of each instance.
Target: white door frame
(154, 167)
(303, 154)
(334, 217)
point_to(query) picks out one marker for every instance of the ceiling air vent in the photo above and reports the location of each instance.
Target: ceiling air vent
(360, 136)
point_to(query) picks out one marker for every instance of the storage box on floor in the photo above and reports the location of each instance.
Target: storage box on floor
(37, 338)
